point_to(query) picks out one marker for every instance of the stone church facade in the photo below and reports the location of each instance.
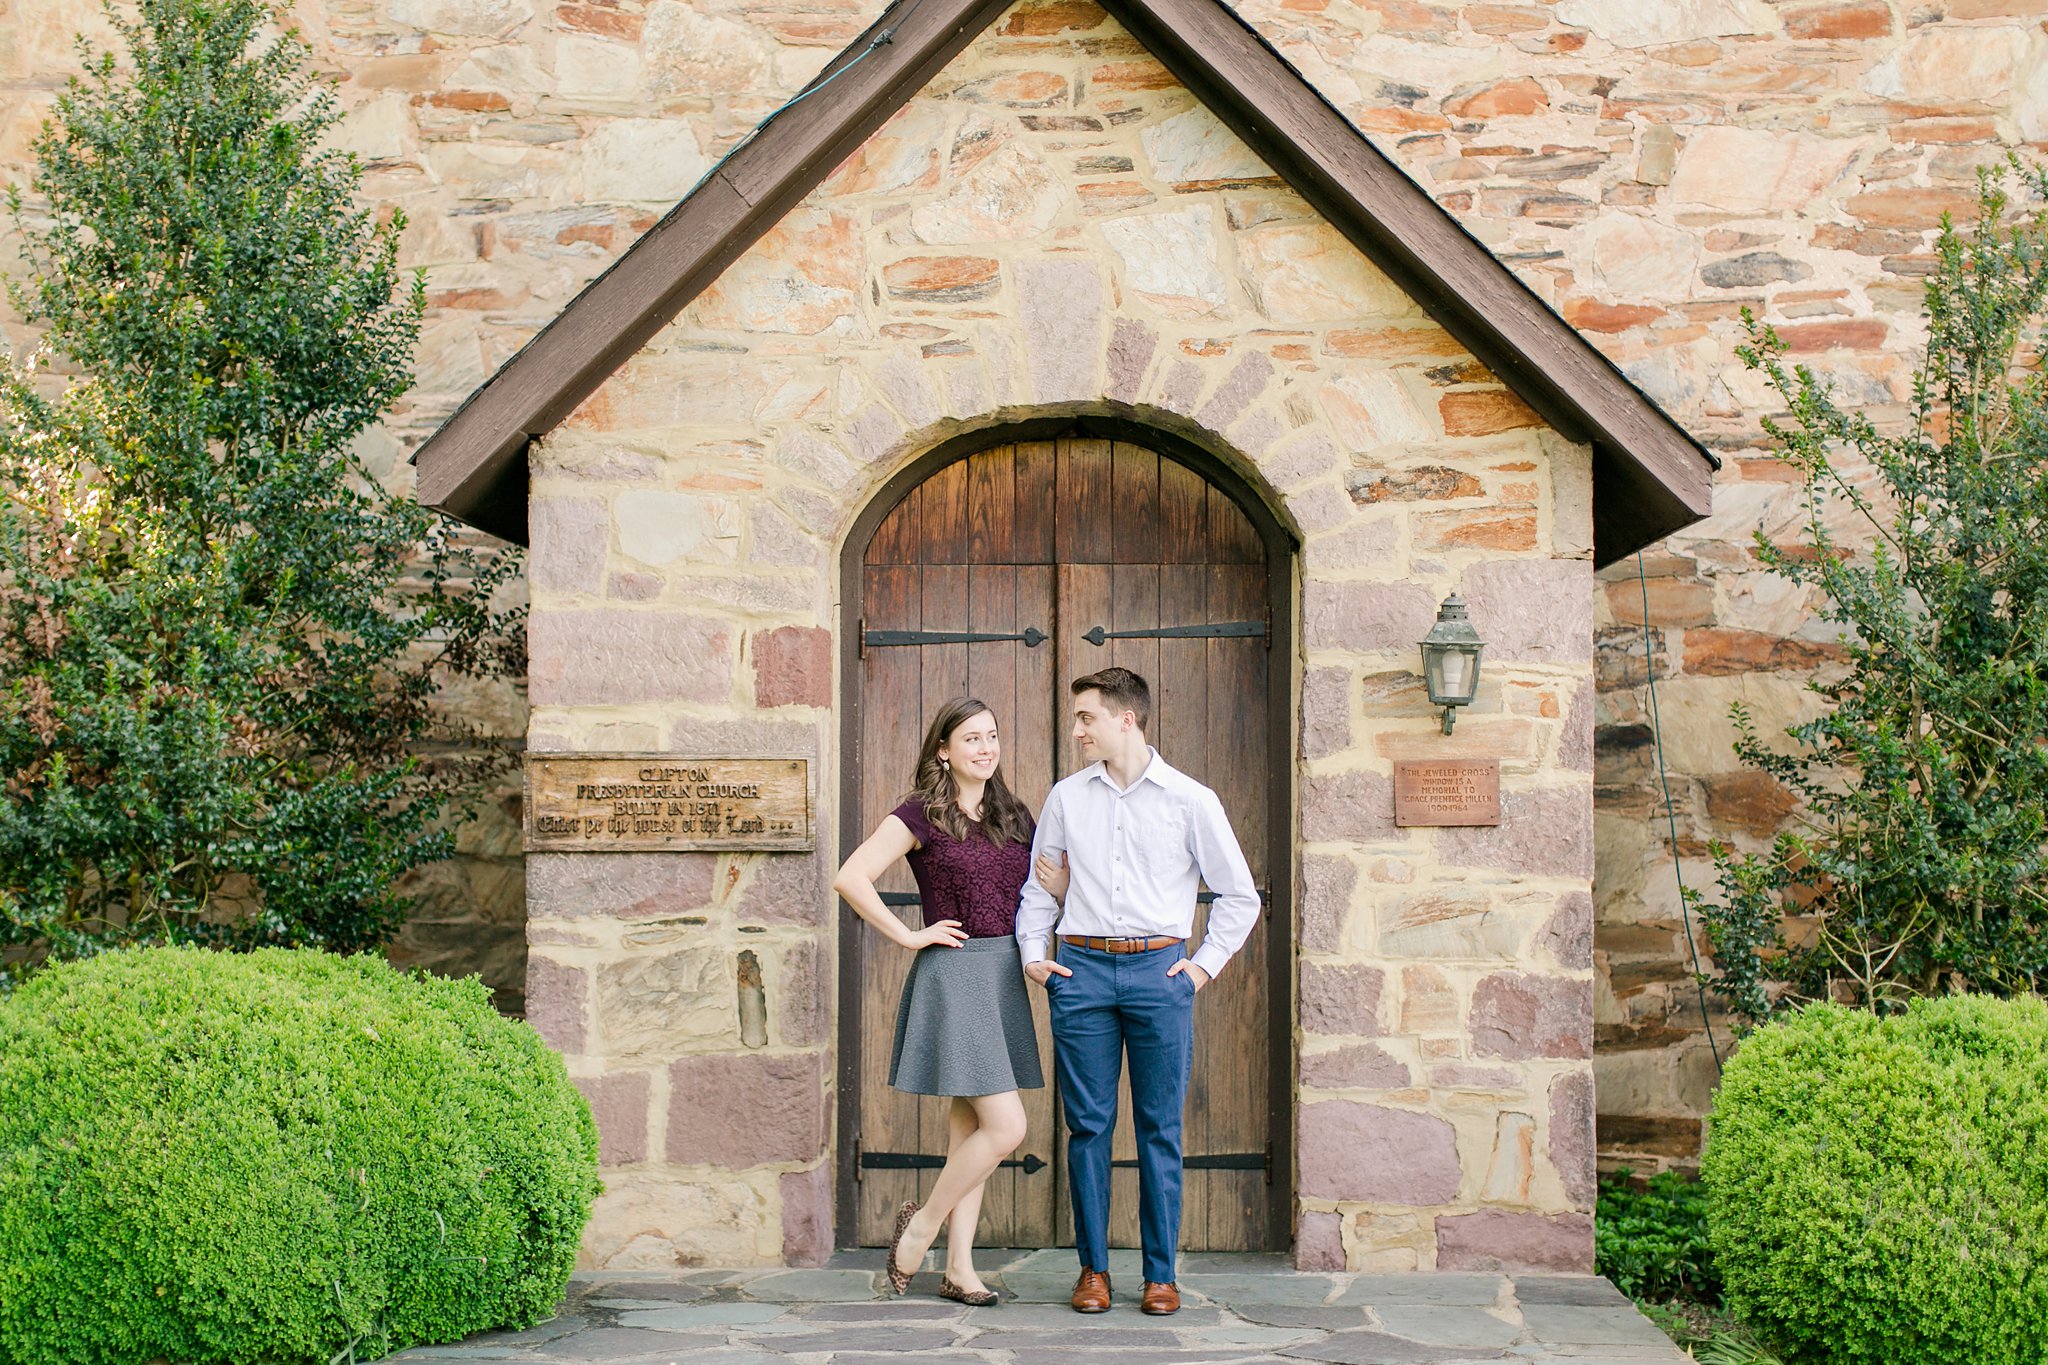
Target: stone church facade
(1647, 170)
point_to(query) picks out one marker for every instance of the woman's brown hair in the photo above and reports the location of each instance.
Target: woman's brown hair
(1003, 817)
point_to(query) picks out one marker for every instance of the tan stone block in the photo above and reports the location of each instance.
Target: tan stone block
(1429, 1002)
(1532, 610)
(672, 992)
(1390, 1243)
(1306, 273)
(942, 279)
(1193, 150)
(1060, 309)
(1016, 90)
(1750, 170)
(1375, 408)
(804, 276)
(462, 18)
(658, 1220)
(1512, 1164)
(1012, 193)
(692, 51)
(1451, 922)
(776, 888)
(1171, 260)
(1951, 63)
(1629, 24)
(1365, 618)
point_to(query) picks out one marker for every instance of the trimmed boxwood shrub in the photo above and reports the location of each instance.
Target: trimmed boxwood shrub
(279, 1156)
(1879, 1185)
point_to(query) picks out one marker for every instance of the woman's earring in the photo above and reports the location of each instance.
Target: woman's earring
(945, 763)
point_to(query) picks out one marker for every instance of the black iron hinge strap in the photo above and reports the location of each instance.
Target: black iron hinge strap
(1215, 630)
(1032, 637)
(925, 1161)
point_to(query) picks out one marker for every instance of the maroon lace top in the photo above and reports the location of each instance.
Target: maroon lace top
(975, 882)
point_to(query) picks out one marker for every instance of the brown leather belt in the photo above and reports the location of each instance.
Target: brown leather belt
(1121, 945)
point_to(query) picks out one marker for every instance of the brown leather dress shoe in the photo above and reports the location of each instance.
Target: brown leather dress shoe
(1160, 1299)
(1091, 1292)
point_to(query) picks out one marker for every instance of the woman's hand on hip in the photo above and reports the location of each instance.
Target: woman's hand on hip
(947, 933)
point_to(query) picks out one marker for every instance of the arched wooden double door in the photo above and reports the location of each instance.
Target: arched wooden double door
(1005, 574)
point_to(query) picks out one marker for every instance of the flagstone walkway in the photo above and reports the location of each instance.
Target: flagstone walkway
(1237, 1310)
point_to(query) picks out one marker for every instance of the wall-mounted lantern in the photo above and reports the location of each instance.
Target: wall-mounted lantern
(1450, 659)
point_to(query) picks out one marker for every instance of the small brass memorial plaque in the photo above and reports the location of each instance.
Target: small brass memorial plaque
(621, 803)
(1447, 791)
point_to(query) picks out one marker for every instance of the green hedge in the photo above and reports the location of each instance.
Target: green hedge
(1879, 1186)
(279, 1156)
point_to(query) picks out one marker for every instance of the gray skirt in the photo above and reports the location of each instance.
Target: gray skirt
(963, 1026)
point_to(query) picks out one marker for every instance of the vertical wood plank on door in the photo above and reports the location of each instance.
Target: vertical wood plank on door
(943, 512)
(899, 539)
(1183, 515)
(1238, 1015)
(1028, 764)
(1034, 534)
(1134, 504)
(891, 689)
(992, 506)
(1083, 501)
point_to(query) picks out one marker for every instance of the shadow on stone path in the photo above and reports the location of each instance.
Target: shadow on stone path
(1237, 1310)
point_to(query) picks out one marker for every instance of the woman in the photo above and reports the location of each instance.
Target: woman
(963, 1027)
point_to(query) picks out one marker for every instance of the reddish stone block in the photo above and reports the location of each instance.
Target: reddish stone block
(619, 1104)
(1575, 736)
(1374, 1154)
(1519, 1015)
(1754, 802)
(1319, 1242)
(1484, 412)
(1354, 807)
(783, 888)
(1325, 712)
(625, 885)
(1496, 1240)
(1546, 833)
(1865, 19)
(1132, 76)
(1341, 1000)
(805, 1005)
(1429, 483)
(1846, 334)
(807, 1216)
(792, 666)
(568, 538)
(1519, 96)
(609, 656)
(1714, 652)
(1536, 611)
(557, 1002)
(1366, 1066)
(1365, 617)
(1569, 934)
(1673, 602)
(942, 279)
(1482, 528)
(1571, 1136)
(746, 1110)
(1327, 884)
(1591, 315)
(1912, 208)
(1392, 343)
(1049, 17)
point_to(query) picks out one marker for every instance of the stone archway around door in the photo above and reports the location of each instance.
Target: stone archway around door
(1081, 545)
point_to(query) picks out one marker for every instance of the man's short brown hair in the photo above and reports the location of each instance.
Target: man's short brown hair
(1122, 690)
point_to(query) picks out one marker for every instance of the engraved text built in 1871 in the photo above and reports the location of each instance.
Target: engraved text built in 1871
(602, 803)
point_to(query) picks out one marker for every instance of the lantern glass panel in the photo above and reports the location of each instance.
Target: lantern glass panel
(1453, 675)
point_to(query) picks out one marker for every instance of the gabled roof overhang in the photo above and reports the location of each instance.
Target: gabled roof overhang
(1650, 477)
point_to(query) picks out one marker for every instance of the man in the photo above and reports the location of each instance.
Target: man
(1137, 836)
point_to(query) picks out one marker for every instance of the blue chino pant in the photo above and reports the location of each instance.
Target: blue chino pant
(1118, 1005)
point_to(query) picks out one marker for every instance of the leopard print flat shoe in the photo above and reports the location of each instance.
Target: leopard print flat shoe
(980, 1298)
(899, 1279)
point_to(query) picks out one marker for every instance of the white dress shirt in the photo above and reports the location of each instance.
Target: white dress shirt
(1136, 856)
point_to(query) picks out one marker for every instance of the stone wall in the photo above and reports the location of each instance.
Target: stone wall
(1650, 168)
(1055, 226)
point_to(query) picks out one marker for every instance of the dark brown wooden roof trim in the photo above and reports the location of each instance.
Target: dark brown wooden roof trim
(1650, 477)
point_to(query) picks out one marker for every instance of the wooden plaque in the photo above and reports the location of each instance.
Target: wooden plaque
(635, 803)
(1447, 791)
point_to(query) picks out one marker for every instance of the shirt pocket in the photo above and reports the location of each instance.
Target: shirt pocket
(1163, 849)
